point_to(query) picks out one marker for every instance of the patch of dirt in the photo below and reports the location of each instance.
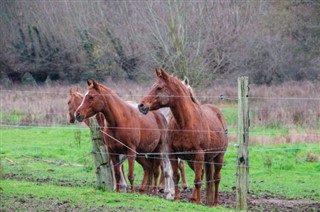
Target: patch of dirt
(60, 182)
(31, 203)
(261, 203)
(257, 203)
(227, 199)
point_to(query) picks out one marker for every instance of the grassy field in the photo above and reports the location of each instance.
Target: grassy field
(55, 164)
(46, 163)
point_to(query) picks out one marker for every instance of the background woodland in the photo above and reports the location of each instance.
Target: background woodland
(71, 41)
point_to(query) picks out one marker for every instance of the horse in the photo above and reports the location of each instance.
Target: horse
(132, 134)
(73, 103)
(167, 114)
(197, 134)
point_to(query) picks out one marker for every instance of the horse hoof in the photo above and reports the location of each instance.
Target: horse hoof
(176, 198)
(195, 201)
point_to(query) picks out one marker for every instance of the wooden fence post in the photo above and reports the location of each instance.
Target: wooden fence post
(242, 187)
(101, 158)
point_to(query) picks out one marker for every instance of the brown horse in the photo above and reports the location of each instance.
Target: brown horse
(73, 103)
(196, 133)
(131, 133)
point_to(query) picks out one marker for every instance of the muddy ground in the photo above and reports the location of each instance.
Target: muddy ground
(227, 199)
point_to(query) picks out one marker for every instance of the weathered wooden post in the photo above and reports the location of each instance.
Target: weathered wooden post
(101, 158)
(243, 139)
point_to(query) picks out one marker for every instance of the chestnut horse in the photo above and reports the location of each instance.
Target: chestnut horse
(73, 103)
(195, 134)
(131, 133)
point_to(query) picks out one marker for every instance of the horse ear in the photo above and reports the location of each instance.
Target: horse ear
(95, 84)
(186, 80)
(89, 82)
(158, 72)
(78, 90)
(71, 91)
(161, 73)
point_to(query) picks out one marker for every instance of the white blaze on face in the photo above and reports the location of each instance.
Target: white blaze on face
(81, 103)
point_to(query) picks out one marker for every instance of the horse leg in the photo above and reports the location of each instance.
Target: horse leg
(217, 176)
(131, 159)
(161, 182)
(116, 168)
(123, 182)
(209, 183)
(176, 176)
(167, 176)
(147, 178)
(194, 190)
(183, 175)
(198, 170)
(156, 173)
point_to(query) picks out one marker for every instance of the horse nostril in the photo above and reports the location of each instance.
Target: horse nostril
(143, 109)
(79, 117)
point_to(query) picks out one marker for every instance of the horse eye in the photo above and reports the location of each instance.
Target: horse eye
(159, 88)
(90, 97)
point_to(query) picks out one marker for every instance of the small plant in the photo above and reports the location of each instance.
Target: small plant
(312, 157)
(268, 162)
(77, 136)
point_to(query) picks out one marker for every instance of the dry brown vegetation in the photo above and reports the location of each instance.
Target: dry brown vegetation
(292, 107)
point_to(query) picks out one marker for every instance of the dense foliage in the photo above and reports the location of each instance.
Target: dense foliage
(272, 41)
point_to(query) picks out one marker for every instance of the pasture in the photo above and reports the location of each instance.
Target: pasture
(46, 163)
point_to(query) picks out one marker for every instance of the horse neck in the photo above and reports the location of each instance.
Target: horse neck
(184, 111)
(114, 109)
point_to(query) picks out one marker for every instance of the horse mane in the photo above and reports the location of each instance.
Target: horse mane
(192, 96)
(102, 87)
(185, 82)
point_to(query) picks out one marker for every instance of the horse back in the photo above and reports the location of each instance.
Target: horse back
(215, 113)
(216, 123)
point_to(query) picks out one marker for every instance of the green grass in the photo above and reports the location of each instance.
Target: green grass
(88, 198)
(56, 163)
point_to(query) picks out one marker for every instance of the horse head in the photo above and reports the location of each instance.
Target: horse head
(91, 103)
(163, 92)
(73, 103)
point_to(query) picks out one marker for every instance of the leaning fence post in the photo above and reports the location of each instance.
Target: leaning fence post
(242, 187)
(101, 158)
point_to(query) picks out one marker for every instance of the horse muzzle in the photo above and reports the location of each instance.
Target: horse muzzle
(72, 120)
(143, 109)
(79, 117)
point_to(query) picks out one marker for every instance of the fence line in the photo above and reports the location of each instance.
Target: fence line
(251, 132)
(169, 153)
(229, 166)
(221, 97)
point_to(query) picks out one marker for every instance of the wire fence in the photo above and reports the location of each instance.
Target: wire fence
(15, 123)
